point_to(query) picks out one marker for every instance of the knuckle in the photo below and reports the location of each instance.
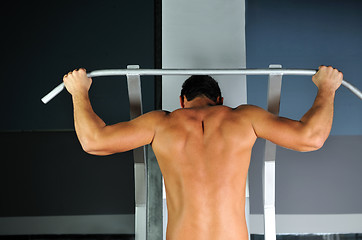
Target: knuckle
(324, 68)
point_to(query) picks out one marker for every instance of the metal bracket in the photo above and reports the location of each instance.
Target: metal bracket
(274, 91)
(139, 155)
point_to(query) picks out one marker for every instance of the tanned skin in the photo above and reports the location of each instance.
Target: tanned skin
(203, 150)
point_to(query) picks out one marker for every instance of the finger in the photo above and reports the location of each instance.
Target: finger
(82, 70)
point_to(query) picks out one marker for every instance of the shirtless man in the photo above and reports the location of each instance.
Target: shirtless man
(204, 148)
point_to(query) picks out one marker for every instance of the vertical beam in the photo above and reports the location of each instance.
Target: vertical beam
(274, 90)
(140, 172)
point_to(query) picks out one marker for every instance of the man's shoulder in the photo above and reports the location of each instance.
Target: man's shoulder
(249, 111)
(247, 108)
(157, 114)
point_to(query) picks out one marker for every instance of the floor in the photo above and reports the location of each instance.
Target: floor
(69, 237)
(356, 236)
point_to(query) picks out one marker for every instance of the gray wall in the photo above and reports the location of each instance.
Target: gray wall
(327, 181)
(197, 35)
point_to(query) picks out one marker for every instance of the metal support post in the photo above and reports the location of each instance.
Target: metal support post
(274, 90)
(140, 171)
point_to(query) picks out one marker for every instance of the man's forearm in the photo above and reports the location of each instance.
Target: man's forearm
(318, 120)
(87, 123)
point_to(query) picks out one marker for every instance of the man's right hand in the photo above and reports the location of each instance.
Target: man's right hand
(77, 82)
(328, 78)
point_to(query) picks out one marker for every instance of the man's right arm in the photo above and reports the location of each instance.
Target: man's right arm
(94, 135)
(312, 130)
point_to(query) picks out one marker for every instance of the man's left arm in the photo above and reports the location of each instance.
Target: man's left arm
(312, 130)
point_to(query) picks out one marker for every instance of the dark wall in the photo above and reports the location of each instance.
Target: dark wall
(46, 172)
(306, 34)
(41, 42)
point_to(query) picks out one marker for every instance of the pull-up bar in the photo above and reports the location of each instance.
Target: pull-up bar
(156, 72)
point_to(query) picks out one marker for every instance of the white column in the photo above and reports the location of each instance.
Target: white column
(203, 34)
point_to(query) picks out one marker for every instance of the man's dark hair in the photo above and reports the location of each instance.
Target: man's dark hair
(199, 85)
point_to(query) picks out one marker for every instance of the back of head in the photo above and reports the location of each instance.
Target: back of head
(201, 85)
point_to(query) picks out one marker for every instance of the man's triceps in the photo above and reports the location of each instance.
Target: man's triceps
(285, 132)
(125, 136)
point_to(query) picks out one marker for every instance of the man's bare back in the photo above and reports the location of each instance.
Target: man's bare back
(204, 150)
(204, 156)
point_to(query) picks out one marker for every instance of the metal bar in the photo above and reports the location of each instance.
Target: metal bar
(241, 71)
(139, 155)
(274, 91)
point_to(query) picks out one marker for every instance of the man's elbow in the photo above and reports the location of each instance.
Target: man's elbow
(97, 152)
(313, 144)
(88, 147)
(319, 142)
(92, 148)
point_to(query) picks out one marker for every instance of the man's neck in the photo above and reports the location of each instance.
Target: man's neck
(200, 102)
